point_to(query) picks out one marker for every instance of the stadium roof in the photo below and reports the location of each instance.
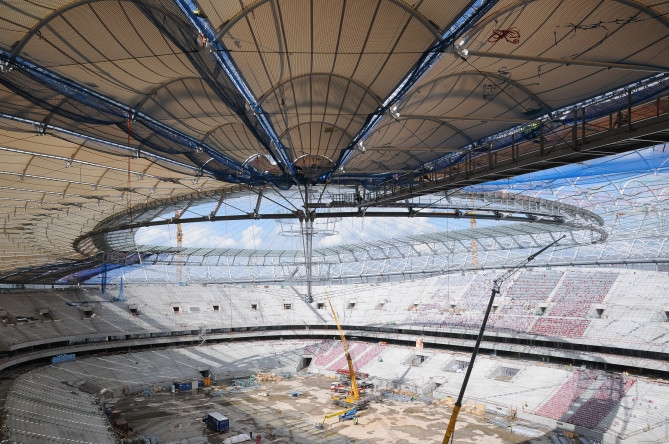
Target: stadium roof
(118, 112)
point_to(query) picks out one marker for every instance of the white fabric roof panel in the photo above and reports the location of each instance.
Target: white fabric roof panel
(318, 73)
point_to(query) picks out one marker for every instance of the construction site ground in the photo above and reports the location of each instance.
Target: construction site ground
(274, 412)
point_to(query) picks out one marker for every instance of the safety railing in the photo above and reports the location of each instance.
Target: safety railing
(573, 130)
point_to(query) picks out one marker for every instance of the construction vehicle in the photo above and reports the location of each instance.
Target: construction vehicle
(345, 414)
(337, 387)
(351, 414)
(353, 398)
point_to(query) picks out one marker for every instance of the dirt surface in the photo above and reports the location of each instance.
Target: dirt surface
(283, 418)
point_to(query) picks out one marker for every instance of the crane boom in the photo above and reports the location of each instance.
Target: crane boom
(496, 288)
(340, 412)
(354, 386)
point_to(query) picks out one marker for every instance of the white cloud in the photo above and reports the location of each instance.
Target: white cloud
(265, 234)
(194, 235)
(251, 237)
(212, 241)
(333, 240)
(354, 231)
(154, 236)
(206, 235)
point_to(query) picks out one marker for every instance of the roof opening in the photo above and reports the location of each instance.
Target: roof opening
(456, 366)
(504, 373)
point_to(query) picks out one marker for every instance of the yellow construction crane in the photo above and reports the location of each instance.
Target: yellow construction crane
(180, 238)
(472, 225)
(355, 394)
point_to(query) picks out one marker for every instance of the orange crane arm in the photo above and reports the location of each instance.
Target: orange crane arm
(351, 370)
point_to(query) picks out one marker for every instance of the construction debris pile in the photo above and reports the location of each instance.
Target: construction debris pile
(268, 377)
(403, 396)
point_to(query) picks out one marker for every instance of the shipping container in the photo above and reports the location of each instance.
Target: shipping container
(216, 421)
(183, 386)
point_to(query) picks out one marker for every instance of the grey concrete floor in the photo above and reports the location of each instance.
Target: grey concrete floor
(281, 418)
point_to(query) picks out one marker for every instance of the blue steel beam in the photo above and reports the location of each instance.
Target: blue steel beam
(476, 10)
(107, 105)
(220, 53)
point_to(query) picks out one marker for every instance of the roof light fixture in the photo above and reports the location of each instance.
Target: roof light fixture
(394, 112)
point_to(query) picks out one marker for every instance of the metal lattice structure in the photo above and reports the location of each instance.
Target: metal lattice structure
(116, 111)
